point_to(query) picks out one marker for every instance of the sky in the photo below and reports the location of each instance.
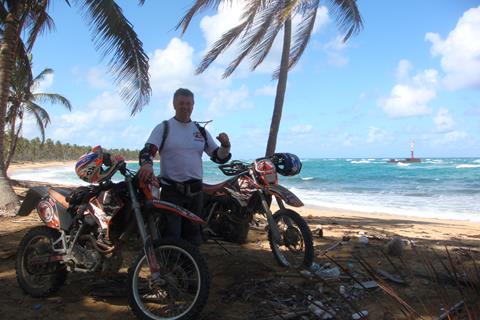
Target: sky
(411, 74)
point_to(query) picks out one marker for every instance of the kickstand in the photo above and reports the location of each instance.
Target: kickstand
(217, 242)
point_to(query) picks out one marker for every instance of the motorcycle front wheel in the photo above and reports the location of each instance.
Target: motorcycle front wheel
(182, 290)
(36, 275)
(296, 245)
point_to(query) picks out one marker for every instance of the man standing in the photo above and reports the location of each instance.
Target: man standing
(181, 143)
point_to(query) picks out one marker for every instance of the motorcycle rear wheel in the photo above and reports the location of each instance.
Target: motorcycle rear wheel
(296, 248)
(39, 280)
(186, 288)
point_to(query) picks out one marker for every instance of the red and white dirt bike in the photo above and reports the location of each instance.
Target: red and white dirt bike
(229, 208)
(168, 280)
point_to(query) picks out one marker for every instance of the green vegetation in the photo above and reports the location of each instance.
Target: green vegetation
(35, 150)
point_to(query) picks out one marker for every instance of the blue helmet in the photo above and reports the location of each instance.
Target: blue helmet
(287, 164)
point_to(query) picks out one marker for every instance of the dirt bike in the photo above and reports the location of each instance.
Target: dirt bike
(168, 280)
(229, 208)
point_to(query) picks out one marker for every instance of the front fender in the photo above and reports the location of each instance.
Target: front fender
(286, 195)
(182, 212)
(33, 197)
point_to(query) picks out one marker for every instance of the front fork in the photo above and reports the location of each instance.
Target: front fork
(146, 237)
(272, 225)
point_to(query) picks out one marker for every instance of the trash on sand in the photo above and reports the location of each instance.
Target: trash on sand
(316, 308)
(395, 246)
(391, 277)
(331, 273)
(366, 285)
(363, 240)
(306, 273)
(360, 315)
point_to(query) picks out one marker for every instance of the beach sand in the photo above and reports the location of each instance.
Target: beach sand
(241, 274)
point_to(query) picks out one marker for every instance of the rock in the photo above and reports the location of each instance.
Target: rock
(395, 246)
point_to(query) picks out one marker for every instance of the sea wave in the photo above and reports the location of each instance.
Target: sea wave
(308, 178)
(467, 166)
(403, 164)
(360, 161)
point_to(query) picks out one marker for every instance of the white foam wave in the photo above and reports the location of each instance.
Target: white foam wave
(476, 161)
(467, 166)
(308, 178)
(360, 161)
(403, 164)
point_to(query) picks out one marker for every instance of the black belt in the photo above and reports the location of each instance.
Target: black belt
(188, 188)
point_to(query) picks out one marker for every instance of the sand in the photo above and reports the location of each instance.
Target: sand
(239, 271)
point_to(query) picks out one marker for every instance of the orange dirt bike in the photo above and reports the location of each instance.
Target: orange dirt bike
(229, 208)
(168, 280)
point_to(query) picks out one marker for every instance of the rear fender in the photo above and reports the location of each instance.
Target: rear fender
(182, 212)
(286, 195)
(33, 197)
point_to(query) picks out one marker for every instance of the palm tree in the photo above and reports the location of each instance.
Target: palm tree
(23, 99)
(113, 35)
(261, 22)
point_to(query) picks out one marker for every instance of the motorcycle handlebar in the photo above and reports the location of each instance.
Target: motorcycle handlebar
(233, 168)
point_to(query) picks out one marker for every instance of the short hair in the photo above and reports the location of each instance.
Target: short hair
(183, 92)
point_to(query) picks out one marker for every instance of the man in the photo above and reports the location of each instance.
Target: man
(181, 170)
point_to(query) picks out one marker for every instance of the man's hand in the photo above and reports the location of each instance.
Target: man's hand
(224, 140)
(145, 174)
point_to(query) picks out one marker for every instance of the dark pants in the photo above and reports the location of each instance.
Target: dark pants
(178, 227)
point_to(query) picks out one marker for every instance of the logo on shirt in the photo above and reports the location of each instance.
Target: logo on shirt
(198, 136)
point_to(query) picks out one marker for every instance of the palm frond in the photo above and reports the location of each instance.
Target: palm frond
(256, 34)
(349, 20)
(303, 33)
(262, 49)
(114, 35)
(40, 115)
(198, 6)
(221, 45)
(41, 76)
(252, 9)
(23, 65)
(40, 22)
(53, 98)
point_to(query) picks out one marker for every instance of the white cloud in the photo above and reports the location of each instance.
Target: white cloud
(301, 129)
(227, 101)
(443, 120)
(268, 90)
(334, 50)
(173, 67)
(451, 137)
(376, 135)
(403, 70)
(460, 51)
(97, 123)
(410, 96)
(96, 78)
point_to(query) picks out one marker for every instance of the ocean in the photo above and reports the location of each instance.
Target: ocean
(444, 188)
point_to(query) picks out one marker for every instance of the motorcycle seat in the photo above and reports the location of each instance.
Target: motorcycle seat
(210, 189)
(59, 195)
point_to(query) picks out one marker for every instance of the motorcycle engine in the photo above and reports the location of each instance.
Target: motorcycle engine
(232, 224)
(86, 256)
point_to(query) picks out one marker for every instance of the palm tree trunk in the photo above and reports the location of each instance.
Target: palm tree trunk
(13, 143)
(281, 89)
(8, 199)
